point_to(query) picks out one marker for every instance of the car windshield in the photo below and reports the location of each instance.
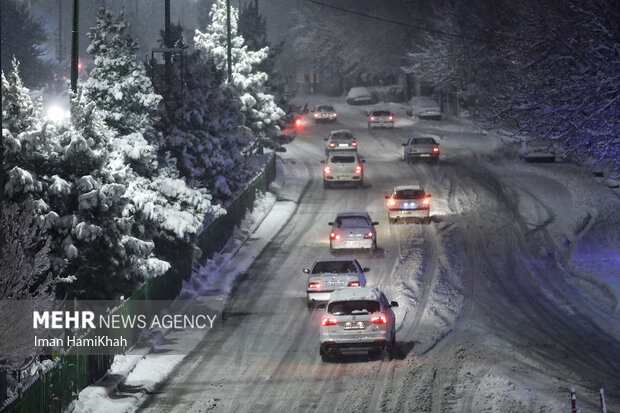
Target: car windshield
(336, 267)
(422, 141)
(352, 222)
(381, 113)
(343, 159)
(409, 194)
(353, 307)
(324, 108)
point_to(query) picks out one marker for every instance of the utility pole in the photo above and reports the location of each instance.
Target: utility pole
(59, 54)
(167, 45)
(75, 45)
(228, 41)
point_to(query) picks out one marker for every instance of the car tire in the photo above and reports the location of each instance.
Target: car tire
(325, 355)
(325, 185)
(361, 183)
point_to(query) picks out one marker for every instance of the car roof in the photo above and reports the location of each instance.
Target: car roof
(358, 293)
(333, 259)
(342, 152)
(340, 131)
(406, 187)
(352, 213)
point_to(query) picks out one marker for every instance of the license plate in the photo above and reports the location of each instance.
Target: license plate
(354, 326)
(425, 154)
(343, 144)
(409, 206)
(332, 283)
(324, 115)
(343, 177)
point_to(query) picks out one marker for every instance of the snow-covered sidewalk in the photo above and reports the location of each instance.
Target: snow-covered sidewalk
(139, 371)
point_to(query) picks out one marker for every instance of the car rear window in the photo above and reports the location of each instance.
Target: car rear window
(381, 113)
(409, 194)
(353, 307)
(342, 136)
(422, 141)
(325, 109)
(337, 267)
(352, 222)
(343, 159)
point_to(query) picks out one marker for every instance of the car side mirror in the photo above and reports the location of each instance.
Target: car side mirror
(375, 223)
(387, 197)
(403, 144)
(330, 223)
(428, 195)
(393, 304)
(363, 160)
(365, 269)
(322, 161)
(325, 139)
(306, 270)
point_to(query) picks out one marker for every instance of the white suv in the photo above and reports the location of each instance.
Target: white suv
(343, 166)
(358, 319)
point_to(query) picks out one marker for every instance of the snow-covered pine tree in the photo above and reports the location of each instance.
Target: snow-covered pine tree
(161, 205)
(202, 124)
(118, 82)
(261, 112)
(19, 111)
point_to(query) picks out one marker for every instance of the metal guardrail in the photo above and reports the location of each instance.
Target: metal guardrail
(52, 391)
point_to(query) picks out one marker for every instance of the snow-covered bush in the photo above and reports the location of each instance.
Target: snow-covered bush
(259, 108)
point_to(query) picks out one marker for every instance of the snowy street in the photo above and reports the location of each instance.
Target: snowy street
(508, 297)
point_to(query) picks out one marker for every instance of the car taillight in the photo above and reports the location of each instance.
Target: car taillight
(390, 117)
(328, 321)
(354, 284)
(379, 319)
(358, 169)
(334, 236)
(435, 149)
(332, 144)
(327, 170)
(316, 285)
(354, 143)
(335, 114)
(316, 115)
(426, 201)
(298, 122)
(391, 202)
(372, 118)
(368, 235)
(413, 150)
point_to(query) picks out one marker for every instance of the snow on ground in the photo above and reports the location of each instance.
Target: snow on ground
(139, 371)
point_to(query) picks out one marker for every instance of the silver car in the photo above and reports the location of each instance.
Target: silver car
(343, 166)
(381, 119)
(358, 319)
(534, 150)
(353, 230)
(408, 201)
(422, 147)
(424, 108)
(340, 140)
(329, 274)
(325, 113)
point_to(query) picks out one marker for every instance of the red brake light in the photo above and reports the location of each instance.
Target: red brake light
(372, 118)
(332, 144)
(368, 235)
(391, 202)
(64, 78)
(358, 169)
(379, 319)
(55, 79)
(426, 201)
(316, 285)
(328, 321)
(354, 284)
(354, 143)
(334, 236)
(435, 149)
(390, 117)
(316, 115)
(298, 122)
(335, 114)
(327, 170)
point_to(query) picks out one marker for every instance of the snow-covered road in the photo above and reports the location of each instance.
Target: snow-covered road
(507, 298)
